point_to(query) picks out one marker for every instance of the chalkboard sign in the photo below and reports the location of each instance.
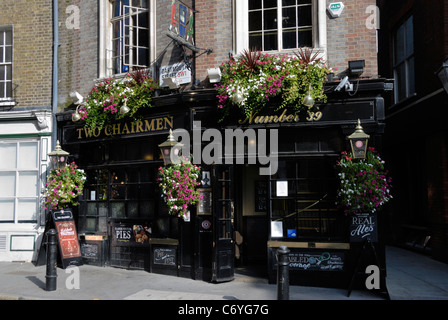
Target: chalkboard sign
(316, 261)
(363, 226)
(165, 256)
(68, 238)
(89, 250)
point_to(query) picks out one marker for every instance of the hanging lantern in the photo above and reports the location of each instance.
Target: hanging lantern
(58, 157)
(358, 141)
(170, 149)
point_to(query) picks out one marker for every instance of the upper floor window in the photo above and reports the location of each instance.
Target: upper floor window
(403, 61)
(280, 24)
(6, 46)
(130, 35)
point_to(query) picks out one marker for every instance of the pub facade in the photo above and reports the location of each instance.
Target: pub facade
(268, 178)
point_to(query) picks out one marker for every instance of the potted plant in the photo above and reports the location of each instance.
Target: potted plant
(364, 184)
(114, 99)
(255, 79)
(178, 183)
(63, 187)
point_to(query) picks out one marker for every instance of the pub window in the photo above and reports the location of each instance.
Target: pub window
(130, 35)
(6, 47)
(404, 64)
(280, 24)
(302, 200)
(19, 181)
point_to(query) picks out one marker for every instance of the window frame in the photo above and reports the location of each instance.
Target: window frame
(405, 61)
(17, 171)
(106, 38)
(7, 98)
(319, 27)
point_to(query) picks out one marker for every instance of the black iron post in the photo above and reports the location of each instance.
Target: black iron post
(52, 251)
(282, 273)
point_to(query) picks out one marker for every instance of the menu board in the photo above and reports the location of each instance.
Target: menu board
(316, 261)
(165, 256)
(364, 226)
(69, 247)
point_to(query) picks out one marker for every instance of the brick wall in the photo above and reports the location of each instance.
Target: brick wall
(78, 51)
(350, 39)
(33, 49)
(213, 31)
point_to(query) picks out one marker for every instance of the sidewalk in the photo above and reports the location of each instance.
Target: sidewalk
(411, 276)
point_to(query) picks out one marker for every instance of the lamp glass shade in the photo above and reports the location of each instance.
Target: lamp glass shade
(58, 157)
(358, 142)
(170, 150)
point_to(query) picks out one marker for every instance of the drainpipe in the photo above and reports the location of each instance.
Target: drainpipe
(54, 134)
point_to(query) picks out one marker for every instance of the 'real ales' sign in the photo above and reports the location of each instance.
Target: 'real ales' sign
(124, 128)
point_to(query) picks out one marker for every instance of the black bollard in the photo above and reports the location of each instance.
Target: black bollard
(52, 252)
(282, 273)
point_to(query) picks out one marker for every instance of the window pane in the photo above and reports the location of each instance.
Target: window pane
(118, 209)
(270, 41)
(288, 2)
(399, 45)
(304, 16)
(8, 54)
(2, 72)
(27, 210)
(254, 4)
(255, 41)
(270, 19)
(6, 210)
(8, 38)
(9, 154)
(28, 155)
(289, 39)
(289, 17)
(270, 3)
(7, 184)
(409, 37)
(411, 77)
(400, 82)
(305, 38)
(255, 21)
(27, 184)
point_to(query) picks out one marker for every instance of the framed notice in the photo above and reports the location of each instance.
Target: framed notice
(204, 206)
(69, 247)
(282, 188)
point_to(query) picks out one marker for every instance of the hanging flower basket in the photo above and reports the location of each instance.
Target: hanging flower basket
(178, 183)
(364, 185)
(104, 103)
(63, 187)
(253, 80)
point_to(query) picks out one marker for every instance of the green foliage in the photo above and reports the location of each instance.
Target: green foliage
(258, 79)
(179, 186)
(363, 183)
(102, 106)
(63, 187)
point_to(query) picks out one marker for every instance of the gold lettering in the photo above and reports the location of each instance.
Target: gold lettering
(159, 124)
(284, 117)
(106, 130)
(139, 126)
(125, 129)
(132, 127)
(89, 132)
(116, 129)
(79, 133)
(168, 123)
(148, 126)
